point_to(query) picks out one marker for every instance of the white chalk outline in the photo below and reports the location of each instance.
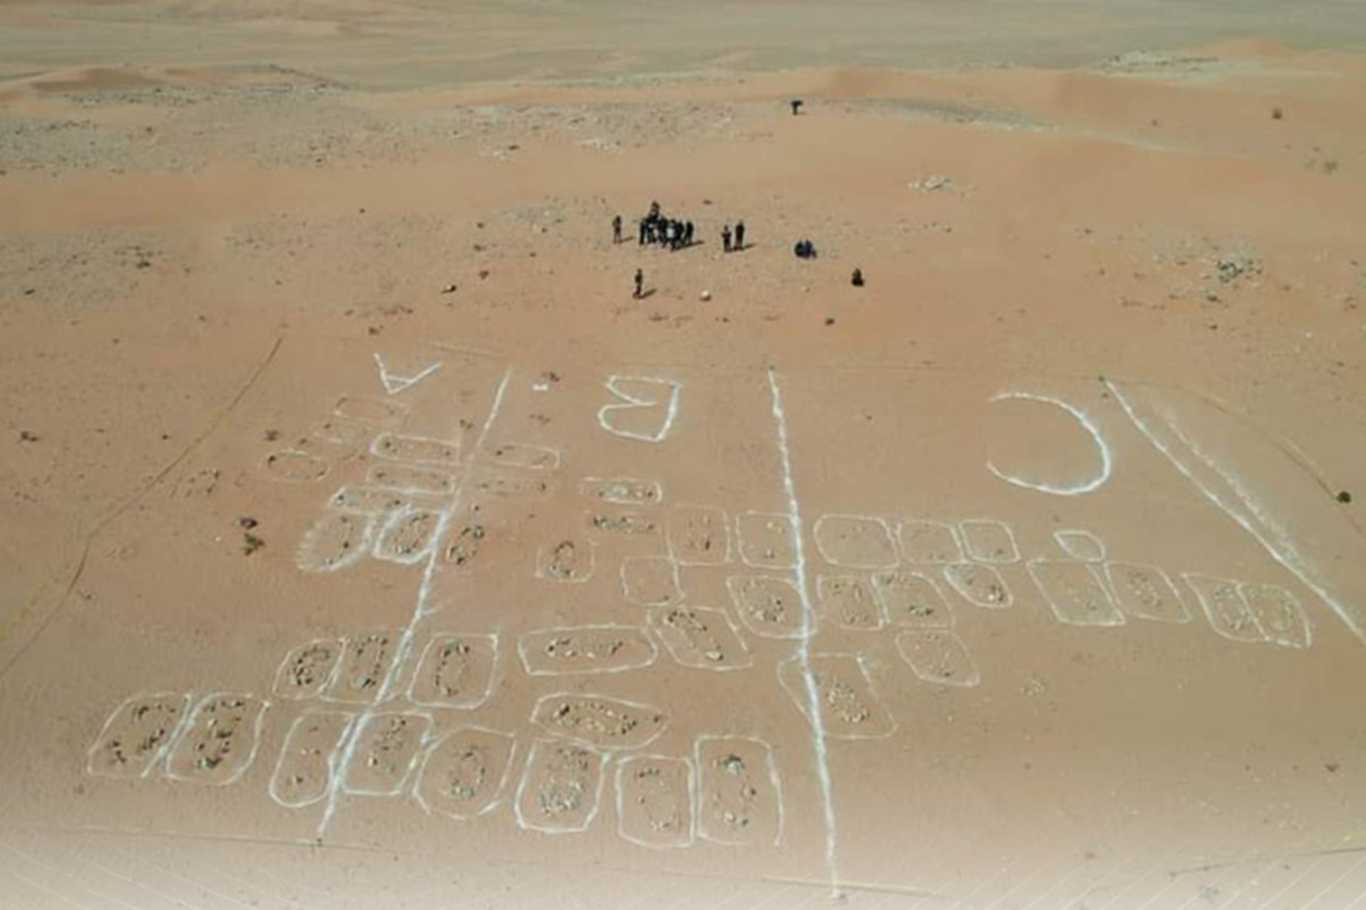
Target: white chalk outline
(675, 598)
(394, 383)
(646, 530)
(1116, 616)
(724, 528)
(1163, 576)
(1200, 583)
(158, 754)
(1066, 539)
(543, 559)
(446, 488)
(1267, 532)
(587, 485)
(281, 478)
(338, 678)
(255, 723)
(281, 691)
(914, 559)
(952, 572)
(735, 583)
(394, 523)
(944, 604)
(794, 535)
(363, 723)
(1244, 587)
(641, 631)
(970, 681)
(537, 720)
(690, 796)
(824, 600)
(427, 651)
(355, 554)
(497, 453)
(532, 753)
(631, 401)
(664, 632)
(773, 782)
(287, 752)
(847, 564)
(356, 439)
(498, 789)
(420, 608)
(341, 501)
(800, 574)
(524, 483)
(398, 411)
(990, 525)
(878, 705)
(1089, 425)
(376, 444)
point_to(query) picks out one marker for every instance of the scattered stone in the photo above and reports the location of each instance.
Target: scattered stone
(1332, 766)
(857, 278)
(935, 182)
(272, 435)
(1344, 497)
(246, 522)
(1277, 113)
(829, 320)
(448, 289)
(27, 436)
(251, 543)
(706, 295)
(483, 273)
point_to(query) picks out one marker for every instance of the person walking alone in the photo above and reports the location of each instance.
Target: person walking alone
(725, 239)
(616, 229)
(640, 284)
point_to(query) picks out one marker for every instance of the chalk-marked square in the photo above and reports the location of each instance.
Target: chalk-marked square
(599, 720)
(565, 560)
(295, 466)
(939, 657)
(645, 410)
(308, 760)
(1146, 592)
(408, 536)
(386, 750)
(344, 431)
(368, 500)
(703, 638)
(1082, 545)
(1279, 614)
(456, 671)
(365, 664)
(586, 650)
(698, 535)
(978, 584)
(739, 798)
(650, 580)
(408, 479)
(848, 601)
(622, 491)
(308, 668)
(988, 540)
(137, 734)
(465, 772)
(511, 483)
(655, 798)
(522, 455)
(336, 541)
(219, 741)
(768, 606)
(927, 542)
(850, 707)
(608, 522)
(417, 449)
(912, 600)
(1075, 593)
(768, 540)
(561, 787)
(1228, 613)
(855, 542)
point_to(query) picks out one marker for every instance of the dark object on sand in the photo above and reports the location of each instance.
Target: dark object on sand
(857, 279)
(640, 284)
(725, 239)
(616, 229)
(804, 249)
(1344, 497)
(739, 235)
(796, 106)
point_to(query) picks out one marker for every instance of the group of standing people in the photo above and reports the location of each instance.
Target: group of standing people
(733, 242)
(675, 234)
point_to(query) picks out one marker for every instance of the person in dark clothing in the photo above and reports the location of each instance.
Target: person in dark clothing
(640, 284)
(687, 233)
(739, 235)
(616, 229)
(796, 106)
(725, 239)
(857, 279)
(644, 229)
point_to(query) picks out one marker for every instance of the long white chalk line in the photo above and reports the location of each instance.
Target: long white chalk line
(804, 646)
(420, 610)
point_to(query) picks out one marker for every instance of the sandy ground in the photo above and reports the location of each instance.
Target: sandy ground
(366, 544)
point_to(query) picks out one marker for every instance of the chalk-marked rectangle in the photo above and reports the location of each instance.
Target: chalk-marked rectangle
(624, 491)
(408, 479)
(365, 664)
(1146, 592)
(1279, 614)
(599, 720)
(522, 455)
(561, 787)
(417, 449)
(698, 535)
(565, 560)
(855, 541)
(308, 668)
(925, 541)
(768, 540)
(769, 606)
(848, 601)
(988, 540)
(655, 798)
(700, 637)
(137, 734)
(308, 760)
(650, 580)
(219, 741)
(1075, 593)
(465, 772)
(912, 600)
(456, 671)
(938, 656)
(586, 650)
(850, 707)
(979, 584)
(1224, 606)
(386, 750)
(739, 798)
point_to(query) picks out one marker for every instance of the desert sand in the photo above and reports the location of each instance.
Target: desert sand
(366, 544)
